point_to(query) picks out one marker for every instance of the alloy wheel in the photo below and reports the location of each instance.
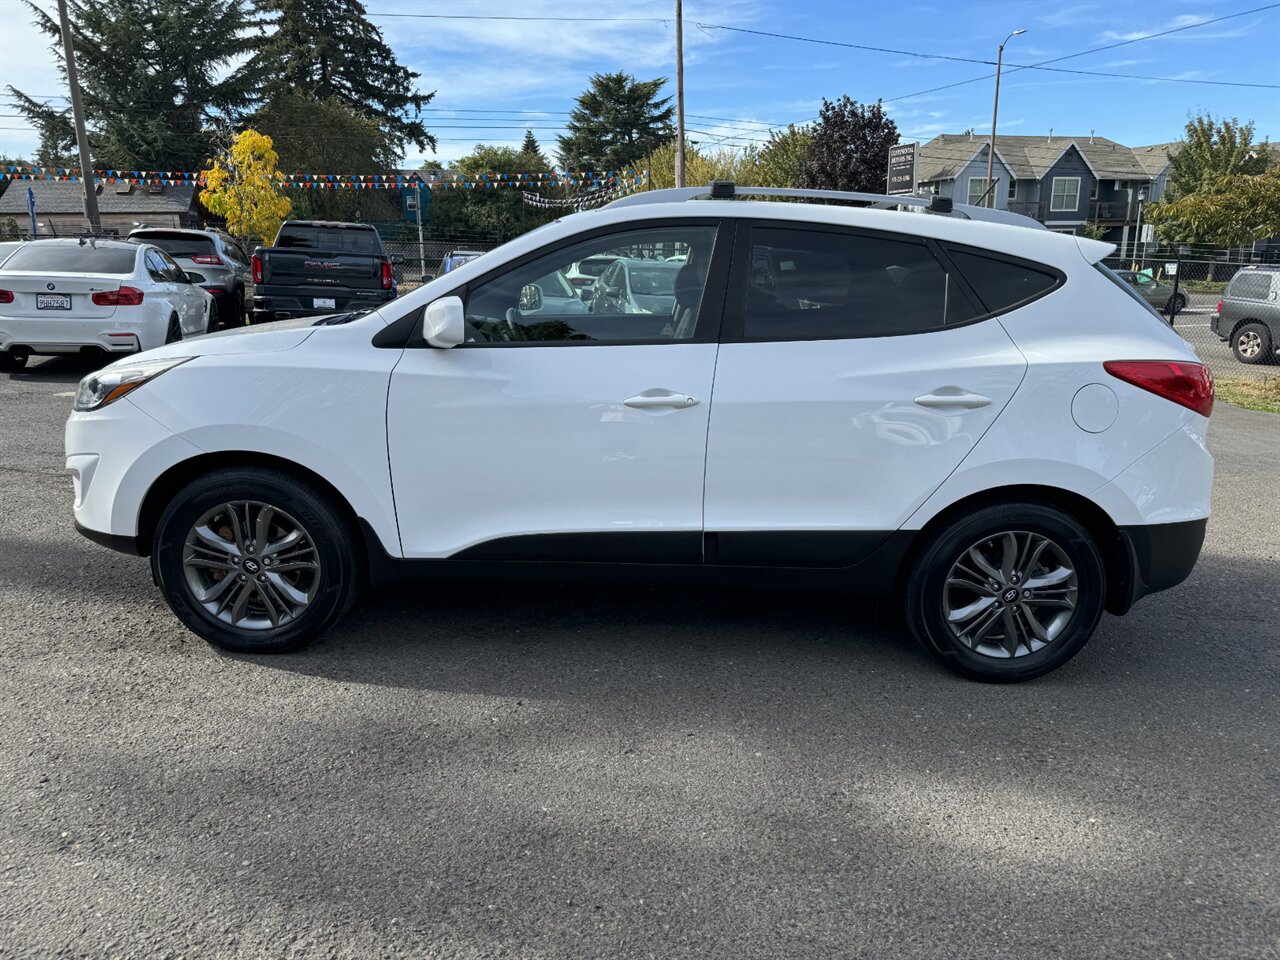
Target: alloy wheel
(1010, 594)
(1249, 344)
(251, 565)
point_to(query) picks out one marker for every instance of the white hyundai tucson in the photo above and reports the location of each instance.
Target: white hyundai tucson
(970, 415)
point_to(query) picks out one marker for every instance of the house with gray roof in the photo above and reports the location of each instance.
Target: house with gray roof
(1064, 182)
(121, 206)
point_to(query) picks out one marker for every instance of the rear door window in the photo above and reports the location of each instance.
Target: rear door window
(1002, 283)
(342, 239)
(804, 284)
(38, 257)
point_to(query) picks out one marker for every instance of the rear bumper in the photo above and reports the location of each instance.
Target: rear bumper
(1161, 555)
(39, 335)
(291, 303)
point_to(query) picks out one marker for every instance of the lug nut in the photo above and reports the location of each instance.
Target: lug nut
(242, 578)
(262, 578)
(1026, 594)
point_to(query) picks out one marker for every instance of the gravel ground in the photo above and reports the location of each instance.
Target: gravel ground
(476, 771)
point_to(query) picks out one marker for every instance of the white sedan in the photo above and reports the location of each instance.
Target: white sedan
(69, 296)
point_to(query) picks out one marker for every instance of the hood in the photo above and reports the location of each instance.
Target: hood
(261, 338)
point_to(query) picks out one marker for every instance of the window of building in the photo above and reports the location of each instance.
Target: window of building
(411, 200)
(1013, 188)
(1066, 195)
(815, 285)
(978, 191)
(1093, 189)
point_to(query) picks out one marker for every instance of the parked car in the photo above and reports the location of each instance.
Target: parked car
(217, 256)
(456, 258)
(318, 267)
(968, 418)
(1248, 315)
(68, 296)
(1159, 293)
(636, 286)
(583, 274)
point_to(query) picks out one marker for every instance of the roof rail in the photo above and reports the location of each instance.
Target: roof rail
(728, 190)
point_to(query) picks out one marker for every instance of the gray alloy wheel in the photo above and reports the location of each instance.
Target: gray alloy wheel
(1251, 343)
(1010, 594)
(251, 565)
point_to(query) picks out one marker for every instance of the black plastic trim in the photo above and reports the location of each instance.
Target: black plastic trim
(672, 547)
(114, 541)
(398, 334)
(793, 548)
(1162, 555)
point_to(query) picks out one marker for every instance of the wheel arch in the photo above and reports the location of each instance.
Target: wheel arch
(167, 484)
(1117, 554)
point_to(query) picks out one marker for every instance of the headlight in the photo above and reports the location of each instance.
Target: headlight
(111, 383)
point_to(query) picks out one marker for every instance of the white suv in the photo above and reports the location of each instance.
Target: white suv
(976, 417)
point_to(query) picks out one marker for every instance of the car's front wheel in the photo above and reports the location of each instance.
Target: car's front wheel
(1252, 343)
(1175, 304)
(1007, 593)
(255, 560)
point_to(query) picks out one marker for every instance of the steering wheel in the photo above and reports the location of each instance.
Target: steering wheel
(515, 331)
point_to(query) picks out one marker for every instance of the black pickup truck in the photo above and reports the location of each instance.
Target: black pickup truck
(317, 267)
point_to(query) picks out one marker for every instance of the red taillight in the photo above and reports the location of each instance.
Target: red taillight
(386, 274)
(210, 258)
(6, 296)
(1218, 308)
(1187, 384)
(257, 268)
(124, 297)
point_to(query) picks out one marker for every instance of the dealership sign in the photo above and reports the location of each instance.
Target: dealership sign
(902, 168)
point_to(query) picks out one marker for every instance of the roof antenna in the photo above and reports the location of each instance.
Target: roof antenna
(1051, 135)
(1091, 132)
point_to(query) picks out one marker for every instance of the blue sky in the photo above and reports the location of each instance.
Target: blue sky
(494, 77)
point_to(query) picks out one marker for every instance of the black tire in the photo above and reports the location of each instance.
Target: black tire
(12, 361)
(174, 333)
(231, 310)
(1250, 337)
(1180, 302)
(932, 564)
(326, 531)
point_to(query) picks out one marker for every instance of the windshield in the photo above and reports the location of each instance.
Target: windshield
(38, 257)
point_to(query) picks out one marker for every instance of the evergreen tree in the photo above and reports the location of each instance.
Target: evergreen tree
(617, 123)
(530, 146)
(328, 50)
(152, 79)
(849, 149)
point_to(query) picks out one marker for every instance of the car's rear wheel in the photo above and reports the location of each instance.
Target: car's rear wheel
(255, 560)
(1175, 304)
(1251, 343)
(9, 360)
(1007, 593)
(174, 333)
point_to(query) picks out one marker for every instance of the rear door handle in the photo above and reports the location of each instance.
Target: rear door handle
(663, 399)
(969, 401)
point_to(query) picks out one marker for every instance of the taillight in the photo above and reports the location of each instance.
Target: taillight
(6, 296)
(210, 258)
(256, 263)
(1187, 384)
(386, 274)
(124, 297)
(1218, 308)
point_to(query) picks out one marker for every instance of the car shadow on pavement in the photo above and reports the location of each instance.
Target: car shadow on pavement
(65, 368)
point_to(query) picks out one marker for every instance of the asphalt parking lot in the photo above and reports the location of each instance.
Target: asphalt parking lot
(494, 770)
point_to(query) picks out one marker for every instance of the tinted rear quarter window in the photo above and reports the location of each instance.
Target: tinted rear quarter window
(815, 285)
(1002, 284)
(1250, 286)
(37, 257)
(179, 245)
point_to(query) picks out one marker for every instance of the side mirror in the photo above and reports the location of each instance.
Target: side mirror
(443, 323)
(530, 298)
(397, 258)
(612, 292)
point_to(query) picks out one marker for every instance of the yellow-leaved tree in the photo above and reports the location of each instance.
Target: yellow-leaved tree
(242, 187)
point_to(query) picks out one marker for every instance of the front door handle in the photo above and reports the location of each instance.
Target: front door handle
(969, 401)
(663, 399)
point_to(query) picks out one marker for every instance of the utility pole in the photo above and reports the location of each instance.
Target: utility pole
(77, 113)
(995, 109)
(679, 94)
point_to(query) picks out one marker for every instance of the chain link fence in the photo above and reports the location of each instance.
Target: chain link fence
(1187, 290)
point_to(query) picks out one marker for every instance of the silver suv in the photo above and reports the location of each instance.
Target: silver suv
(213, 255)
(1248, 315)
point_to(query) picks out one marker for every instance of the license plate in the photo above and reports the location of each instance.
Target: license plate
(53, 301)
(324, 303)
